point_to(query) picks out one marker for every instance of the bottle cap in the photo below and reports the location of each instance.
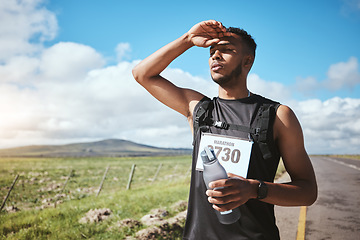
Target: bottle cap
(208, 155)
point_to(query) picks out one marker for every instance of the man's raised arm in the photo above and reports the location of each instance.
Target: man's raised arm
(147, 72)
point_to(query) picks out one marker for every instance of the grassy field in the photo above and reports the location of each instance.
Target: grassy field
(40, 187)
(47, 211)
(355, 157)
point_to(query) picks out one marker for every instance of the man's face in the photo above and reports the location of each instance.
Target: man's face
(226, 59)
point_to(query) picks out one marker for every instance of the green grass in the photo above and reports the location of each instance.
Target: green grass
(356, 157)
(281, 169)
(349, 156)
(44, 178)
(63, 222)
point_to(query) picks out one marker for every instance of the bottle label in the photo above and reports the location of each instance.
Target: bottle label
(233, 153)
(226, 212)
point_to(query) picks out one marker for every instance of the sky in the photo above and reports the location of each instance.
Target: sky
(65, 68)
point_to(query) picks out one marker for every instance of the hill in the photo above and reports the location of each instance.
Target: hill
(105, 148)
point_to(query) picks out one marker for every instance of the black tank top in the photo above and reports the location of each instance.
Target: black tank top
(257, 218)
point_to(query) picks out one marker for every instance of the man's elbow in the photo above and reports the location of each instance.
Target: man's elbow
(312, 195)
(136, 73)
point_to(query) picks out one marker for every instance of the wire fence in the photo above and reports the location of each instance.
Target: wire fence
(42, 185)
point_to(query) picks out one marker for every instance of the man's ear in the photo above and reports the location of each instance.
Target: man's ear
(248, 61)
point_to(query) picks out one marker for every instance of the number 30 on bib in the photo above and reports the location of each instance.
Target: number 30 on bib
(233, 153)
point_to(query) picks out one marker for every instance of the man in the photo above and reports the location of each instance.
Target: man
(232, 53)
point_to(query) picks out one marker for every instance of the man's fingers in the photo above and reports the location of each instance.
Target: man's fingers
(212, 42)
(215, 193)
(222, 192)
(221, 200)
(225, 182)
(231, 175)
(226, 207)
(217, 183)
(214, 29)
(207, 33)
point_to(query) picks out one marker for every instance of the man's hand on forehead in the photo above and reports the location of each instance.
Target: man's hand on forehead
(215, 29)
(207, 33)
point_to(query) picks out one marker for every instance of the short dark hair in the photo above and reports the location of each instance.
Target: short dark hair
(246, 38)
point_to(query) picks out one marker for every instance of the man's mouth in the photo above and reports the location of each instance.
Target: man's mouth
(216, 66)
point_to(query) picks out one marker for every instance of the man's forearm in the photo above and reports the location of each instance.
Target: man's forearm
(203, 34)
(154, 64)
(298, 193)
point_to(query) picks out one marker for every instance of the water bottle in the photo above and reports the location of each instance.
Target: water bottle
(213, 170)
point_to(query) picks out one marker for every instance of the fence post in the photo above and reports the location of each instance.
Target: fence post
(131, 176)
(157, 172)
(174, 172)
(67, 180)
(102, 181)
(8, 194)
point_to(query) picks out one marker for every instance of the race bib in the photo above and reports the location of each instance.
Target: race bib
(233, 153)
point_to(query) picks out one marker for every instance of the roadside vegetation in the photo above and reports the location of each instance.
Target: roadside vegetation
(356, 157)
(39, 207)
(53, 198)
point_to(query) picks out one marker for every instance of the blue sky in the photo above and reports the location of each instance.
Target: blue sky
(65, 68)
(295, 39)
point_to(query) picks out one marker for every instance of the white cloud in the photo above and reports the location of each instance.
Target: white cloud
(350, 7)
(106, 102)
(308, 86)
(21, 21)
(122, 51)
(67, 61)
(18, 69)
(332, 126)
(65, 93)
(272, 90)
(343, 75)
(186, 80)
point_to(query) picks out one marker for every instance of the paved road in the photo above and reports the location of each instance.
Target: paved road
(336, 213)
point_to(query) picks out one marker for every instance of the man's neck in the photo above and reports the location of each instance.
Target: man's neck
(223, 94)
(237, 91)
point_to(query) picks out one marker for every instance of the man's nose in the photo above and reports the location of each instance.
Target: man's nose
(216, 55)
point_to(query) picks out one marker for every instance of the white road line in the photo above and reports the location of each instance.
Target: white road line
(342, 163)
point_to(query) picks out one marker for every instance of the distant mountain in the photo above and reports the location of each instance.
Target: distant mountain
(105, 148)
